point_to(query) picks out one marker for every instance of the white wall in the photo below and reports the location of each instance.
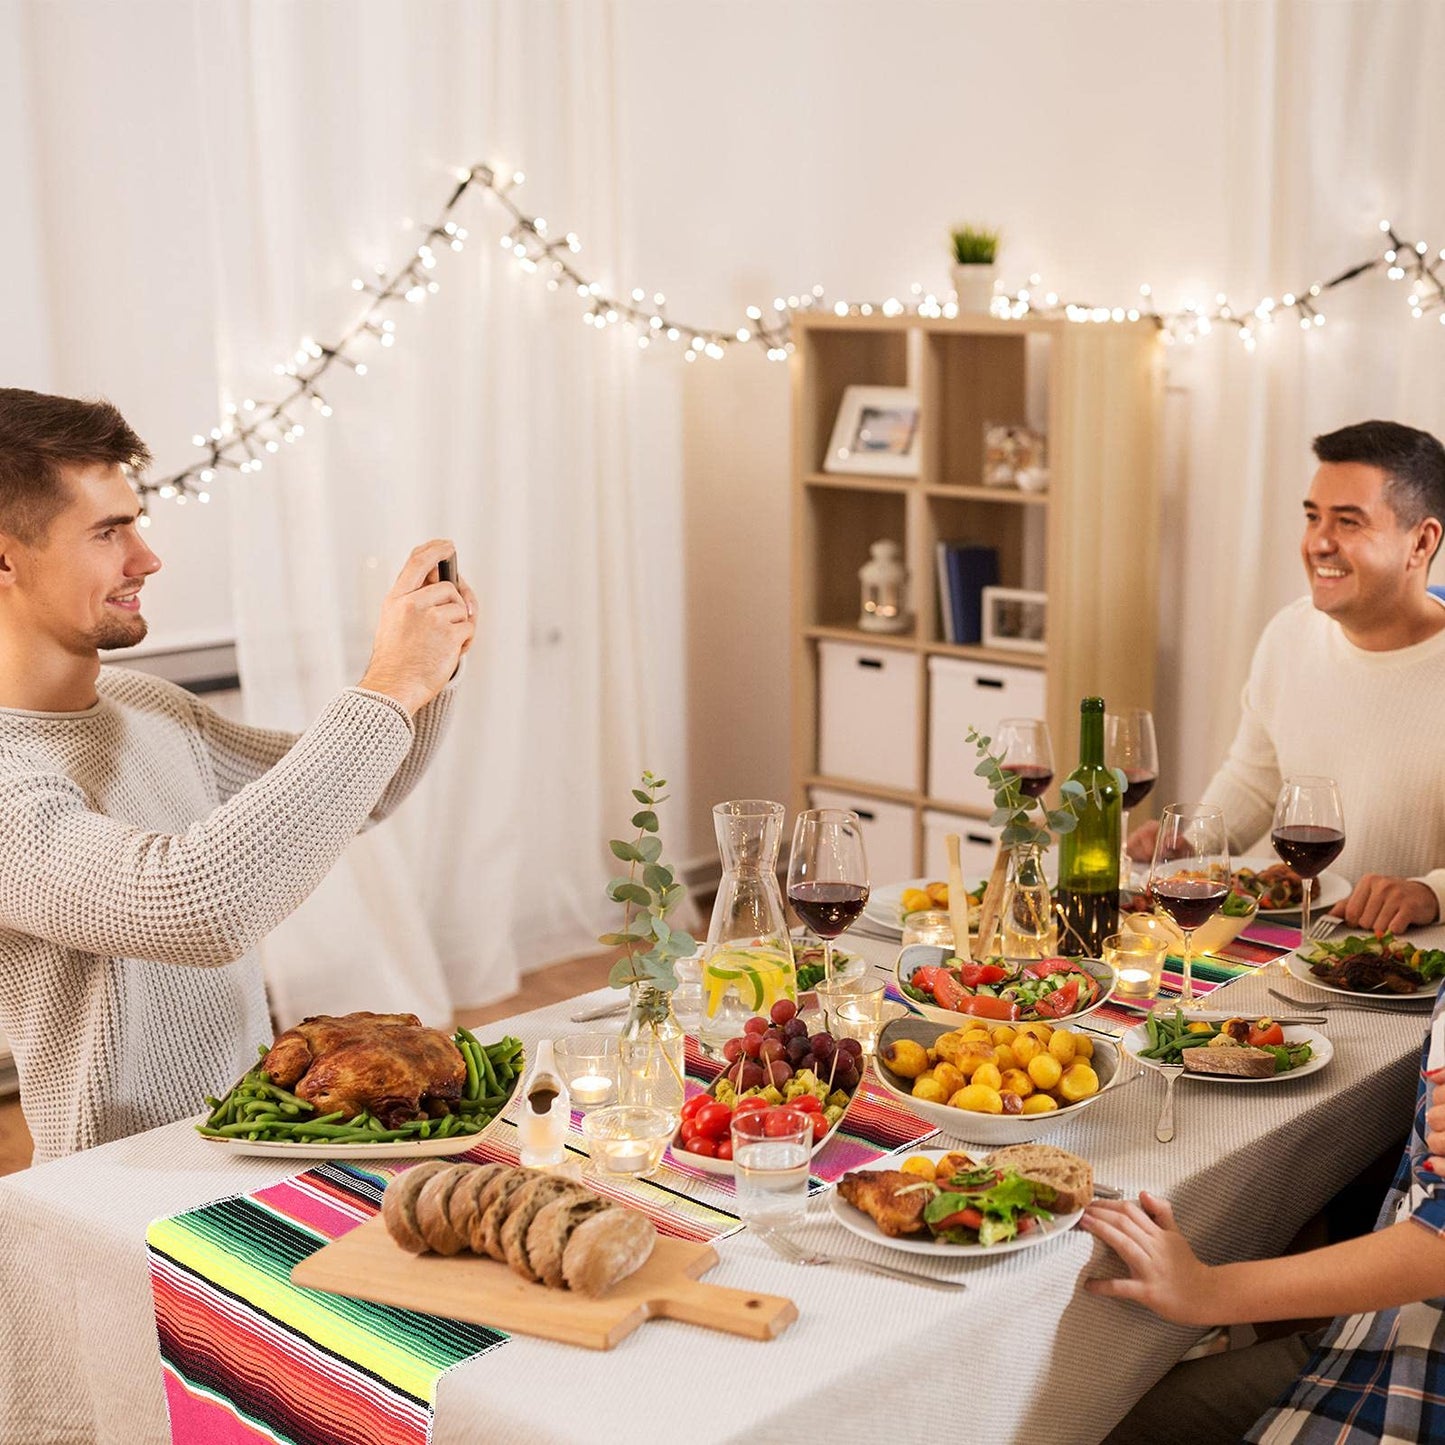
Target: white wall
(765, 147)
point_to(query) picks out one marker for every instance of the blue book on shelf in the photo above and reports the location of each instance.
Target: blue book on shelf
(970, 570)
(945, 596)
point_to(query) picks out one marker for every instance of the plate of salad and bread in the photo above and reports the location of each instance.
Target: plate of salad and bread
(954, 1204)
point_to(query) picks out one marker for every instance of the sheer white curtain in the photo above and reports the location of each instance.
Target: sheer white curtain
(497, 419)
(1331, 109)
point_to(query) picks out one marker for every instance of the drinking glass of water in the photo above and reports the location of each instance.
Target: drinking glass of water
(771, 1150)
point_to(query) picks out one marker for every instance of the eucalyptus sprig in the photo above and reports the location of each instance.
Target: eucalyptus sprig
(647, 892)
(1013, 808)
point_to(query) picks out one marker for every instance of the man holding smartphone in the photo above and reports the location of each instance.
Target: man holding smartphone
(151, 844)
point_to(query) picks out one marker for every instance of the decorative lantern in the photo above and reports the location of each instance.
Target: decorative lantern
(885, 590)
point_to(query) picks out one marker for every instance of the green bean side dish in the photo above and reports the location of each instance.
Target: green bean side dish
(258, 1109)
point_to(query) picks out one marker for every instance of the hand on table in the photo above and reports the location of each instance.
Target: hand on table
(1387, 905)
(1140, 845)
(1165, 1275)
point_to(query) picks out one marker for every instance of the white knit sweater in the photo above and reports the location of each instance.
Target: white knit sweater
(147, 845)
(1372, 721)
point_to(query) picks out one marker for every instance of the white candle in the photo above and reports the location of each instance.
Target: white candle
(591, 1088)
(626, 1156)
(1135, 980)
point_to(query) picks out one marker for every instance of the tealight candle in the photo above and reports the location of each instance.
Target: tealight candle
(627, 1139)
(1137, 960)
(590, 1089)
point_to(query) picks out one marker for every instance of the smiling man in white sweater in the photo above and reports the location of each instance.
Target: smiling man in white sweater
(148, 843)
(1349, 682)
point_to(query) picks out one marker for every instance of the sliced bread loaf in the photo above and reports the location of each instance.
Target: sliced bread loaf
(1065, 1177)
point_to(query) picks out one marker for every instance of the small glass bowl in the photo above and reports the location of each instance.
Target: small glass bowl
(628, 1139)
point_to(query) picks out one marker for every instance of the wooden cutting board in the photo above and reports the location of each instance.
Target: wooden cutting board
(366, 1264)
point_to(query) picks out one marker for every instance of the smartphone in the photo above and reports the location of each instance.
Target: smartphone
(447, 569)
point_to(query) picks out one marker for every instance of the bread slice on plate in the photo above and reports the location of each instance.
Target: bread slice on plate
(1065, 1177)
(1238, 1063)
(398, 1204)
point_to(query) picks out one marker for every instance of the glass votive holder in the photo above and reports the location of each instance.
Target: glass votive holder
(1137, 960)
(862, 1015)
(865, 990)
(588, 1064)
(627, 1139)
(932, 925)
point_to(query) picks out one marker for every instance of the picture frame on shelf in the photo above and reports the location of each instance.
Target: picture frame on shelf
(1014, 456)
(875, 432)
(1015, 620)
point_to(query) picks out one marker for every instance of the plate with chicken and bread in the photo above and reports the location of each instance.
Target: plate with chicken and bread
(366, 1086)
(946, 1202)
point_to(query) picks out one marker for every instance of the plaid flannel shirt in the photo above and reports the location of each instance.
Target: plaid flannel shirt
(1379, 1377)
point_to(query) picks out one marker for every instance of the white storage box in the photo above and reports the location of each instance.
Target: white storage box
(978, 845)
(868, 714)
(887, 831)
(964, 694)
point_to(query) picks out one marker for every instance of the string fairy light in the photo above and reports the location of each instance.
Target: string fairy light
(248, 434)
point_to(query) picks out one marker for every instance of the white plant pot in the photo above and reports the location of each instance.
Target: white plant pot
(973, 286)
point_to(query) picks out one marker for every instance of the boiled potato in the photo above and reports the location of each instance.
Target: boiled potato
(1083, 1046)
(970, 1056)
(1040, 1030)
(929, 1090)
(949, 1078)
(954, 1162)
(977, 1099)
(1004, 1057)
(921, 1165)
(1078, 1081)
(1040, 1104)
(1018, 1082)
(946, 1046)
(906, 1057)
(976, 1034)
(1045, 1070)
(1002, 1034)
(915, 900)
(988, 1076)
(938, 895)
(1024, 1048)
(1063, 1046)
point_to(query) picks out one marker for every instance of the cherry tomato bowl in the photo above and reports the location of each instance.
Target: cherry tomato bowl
(919, 965)
(712, 1163)
(987, 1129)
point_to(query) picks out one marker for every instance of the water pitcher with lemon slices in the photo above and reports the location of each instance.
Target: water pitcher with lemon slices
(747, 961)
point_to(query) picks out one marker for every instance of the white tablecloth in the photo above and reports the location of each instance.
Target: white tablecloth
(1022, 1355)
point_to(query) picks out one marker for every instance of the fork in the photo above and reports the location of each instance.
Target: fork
(1364, 1004)
(1164, 1129)
(1323, 927)
(794, 1253)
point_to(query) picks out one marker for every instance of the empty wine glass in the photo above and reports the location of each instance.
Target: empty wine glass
(1308, 832)
(1027, 752)
(1129, 746)
(1189, 877)
(828, 874)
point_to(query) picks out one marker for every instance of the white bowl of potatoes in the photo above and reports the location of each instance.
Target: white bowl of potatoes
(994, 1083)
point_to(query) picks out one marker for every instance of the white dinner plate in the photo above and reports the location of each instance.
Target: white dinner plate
(855, 1221)
(1322, 1051)
(884, 908)
(1332, 888)
(321, 1149)
(1299, 969)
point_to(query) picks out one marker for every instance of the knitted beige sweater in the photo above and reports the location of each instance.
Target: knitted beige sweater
(147, 845)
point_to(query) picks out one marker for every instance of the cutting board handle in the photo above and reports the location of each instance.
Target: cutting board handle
(735, 1311)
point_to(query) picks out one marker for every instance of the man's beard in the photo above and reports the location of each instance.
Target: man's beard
(117, 632)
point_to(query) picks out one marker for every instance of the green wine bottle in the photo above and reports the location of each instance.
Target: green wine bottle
(1088, 891)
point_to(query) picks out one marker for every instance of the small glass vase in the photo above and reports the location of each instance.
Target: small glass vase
(652, 1053)
(1026, 918)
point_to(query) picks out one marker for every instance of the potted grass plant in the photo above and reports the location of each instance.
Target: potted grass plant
(974, 252)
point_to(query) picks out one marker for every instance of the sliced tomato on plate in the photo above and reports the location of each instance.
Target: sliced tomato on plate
(1045, 967)
(947, 991)
(922, 978)
(969, 1218)
(973, 974)
(1266, 1038)
(985, 1006)
(1061, 1003)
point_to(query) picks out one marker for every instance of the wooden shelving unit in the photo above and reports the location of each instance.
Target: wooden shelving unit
(1089, 542)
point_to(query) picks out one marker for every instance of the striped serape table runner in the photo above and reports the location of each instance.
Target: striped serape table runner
(248, 1357)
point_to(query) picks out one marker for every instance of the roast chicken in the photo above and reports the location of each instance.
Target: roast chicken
(387, 1063)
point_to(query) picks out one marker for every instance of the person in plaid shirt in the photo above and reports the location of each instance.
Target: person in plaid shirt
(1378, 1371)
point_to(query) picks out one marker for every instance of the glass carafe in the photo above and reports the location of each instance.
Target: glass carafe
(748, 959)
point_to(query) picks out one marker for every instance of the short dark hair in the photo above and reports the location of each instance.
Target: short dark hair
(1413, 461)
(39, 435)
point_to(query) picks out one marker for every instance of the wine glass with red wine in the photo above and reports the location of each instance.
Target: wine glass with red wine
(1308, 832)
(828, 874)
(1026, 751)
(1190, 876)
(1129, 746)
